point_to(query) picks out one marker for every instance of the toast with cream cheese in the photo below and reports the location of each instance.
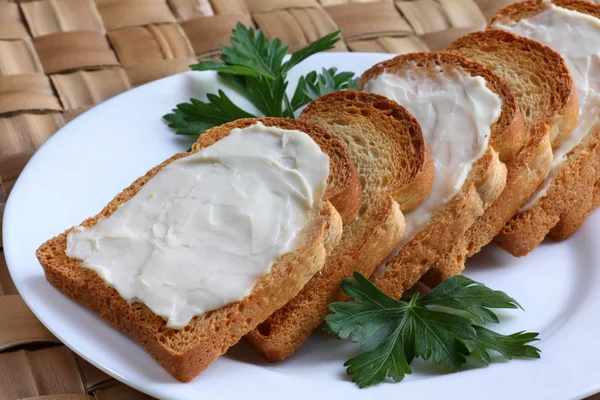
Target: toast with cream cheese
(569, 193)
(471, 122)
(396, 171)
(205, 246)
(540, 80)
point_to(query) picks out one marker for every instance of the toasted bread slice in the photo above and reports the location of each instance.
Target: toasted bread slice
(540, 80)
(186, 352)
(570, 197)
(483, 185)
(396, 171)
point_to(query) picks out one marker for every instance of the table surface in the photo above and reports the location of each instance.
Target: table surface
(58, 58)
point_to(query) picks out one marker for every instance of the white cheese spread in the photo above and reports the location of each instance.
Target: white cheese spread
(201, 232)
(576, 37)
(455, 111)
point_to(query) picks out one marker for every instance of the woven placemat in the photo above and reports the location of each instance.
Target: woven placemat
(58, 58)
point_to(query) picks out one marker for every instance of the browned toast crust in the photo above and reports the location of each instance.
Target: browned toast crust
(484, 183)
(542, 84)
(524, 173)
(186, 352)
(552, 102)
(526, 9)
(507, 133)
(571, 196)
(351, 117)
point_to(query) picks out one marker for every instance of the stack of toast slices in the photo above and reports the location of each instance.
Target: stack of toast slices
(437, 155)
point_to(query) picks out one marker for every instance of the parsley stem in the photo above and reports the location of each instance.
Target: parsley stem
(289, 111)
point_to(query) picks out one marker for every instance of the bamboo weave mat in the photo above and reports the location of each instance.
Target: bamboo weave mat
(58, 58)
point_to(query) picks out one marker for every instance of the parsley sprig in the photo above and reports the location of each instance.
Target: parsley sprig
(393, 333)
(255, 66)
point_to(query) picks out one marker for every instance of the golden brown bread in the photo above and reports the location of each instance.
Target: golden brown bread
(540, 80)
(396, 170)
(571, 196)
(507, 133)
(525, 9)
(537, 76)
(186, 352)
(485, 181)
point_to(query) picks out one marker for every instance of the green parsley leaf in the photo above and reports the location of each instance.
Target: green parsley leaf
(434, 334)
(462, 293)
(254, 65)
(362, 319)
(314, 85)
(394, 332)
(197, 116)
(253, 51)
(382, 361)
(226, 69)
(327, 42)
(267, 97)
(510, 346)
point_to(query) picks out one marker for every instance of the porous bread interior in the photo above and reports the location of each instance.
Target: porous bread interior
(186, 352)
(507, 133)
(396, 170)
(537, 76)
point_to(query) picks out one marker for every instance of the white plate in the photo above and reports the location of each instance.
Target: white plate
(94, 157)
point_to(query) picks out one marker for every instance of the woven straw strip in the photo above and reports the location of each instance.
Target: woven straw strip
(140, 45)
(11, 23)
(369, 20)
(19, 325)
(7, 286)
(92, 377)
(437, 41)
(87, 51)
(207, 34)
(39, 127)
(490, 7)
(16, 148)
(424, 16)
(69, 51)
(87, 88)
(11, 168)
(463, 14)
(315, 23)
(31, 93)
(46, 17)
(18, 57)
(120, 392)
(189, 9)
(296, 27)
(69, 115)
(62, 397)
(256, 6)
(144, 73)
(385, 44)
(119, 14)
(45, 371)
(229, 6)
